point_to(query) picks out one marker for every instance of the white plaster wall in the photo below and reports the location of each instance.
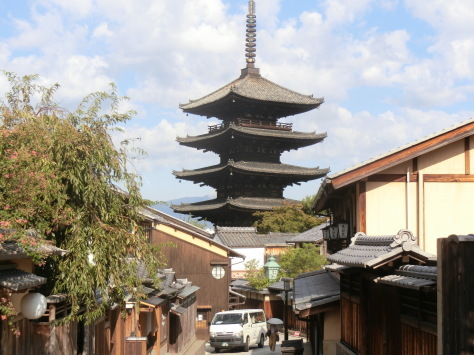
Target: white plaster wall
(448, 210)
(387, 205)
(446, 160)
(250, 253)
(332, 331)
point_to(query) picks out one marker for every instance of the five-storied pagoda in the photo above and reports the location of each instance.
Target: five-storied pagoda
(249, 142)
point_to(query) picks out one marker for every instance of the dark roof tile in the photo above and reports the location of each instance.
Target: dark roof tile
(314, 289)
(313, 235)
(366, 251)
(19, 280)
(254, 87)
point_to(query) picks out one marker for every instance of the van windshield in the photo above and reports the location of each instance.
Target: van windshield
(235, 318)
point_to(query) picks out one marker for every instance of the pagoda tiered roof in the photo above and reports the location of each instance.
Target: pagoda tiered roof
(222, 211)
(244, 204)
(286, 139)
(252, 96)
(284, 173)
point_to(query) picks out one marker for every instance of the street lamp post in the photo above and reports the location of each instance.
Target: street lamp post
(287, 288)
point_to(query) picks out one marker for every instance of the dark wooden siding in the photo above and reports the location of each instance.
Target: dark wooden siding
(194, 263)
(102, 336)
(457, 288)
(417, 342)
(383, 320)
(351, 324)
(183, 327)
(38, 338)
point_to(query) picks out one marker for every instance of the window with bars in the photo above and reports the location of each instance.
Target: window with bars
(418, 307)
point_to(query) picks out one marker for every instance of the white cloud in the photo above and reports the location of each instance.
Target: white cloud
(345, 11)
(163, 53)
(102, 31)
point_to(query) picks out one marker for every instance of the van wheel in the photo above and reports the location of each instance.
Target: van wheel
(217, 350)
(247, 345)
(262, 341)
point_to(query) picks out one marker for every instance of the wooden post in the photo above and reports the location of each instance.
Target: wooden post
(455, 300)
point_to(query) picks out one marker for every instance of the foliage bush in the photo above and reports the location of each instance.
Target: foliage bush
(59, 177)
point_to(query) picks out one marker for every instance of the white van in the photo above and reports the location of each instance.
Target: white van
(238, 328)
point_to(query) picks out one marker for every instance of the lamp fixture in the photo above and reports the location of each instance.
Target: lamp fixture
(333, 231)
(33, 305)
(326, 235)
(343, 230)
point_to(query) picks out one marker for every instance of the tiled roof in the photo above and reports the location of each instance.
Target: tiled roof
(277, 285)
(412, 276)
(243, 203)
(239, 282)
(239, 237)
(254, 87)
(406, 281)
(11, 250)
(278, 238)
(315, 288)
(153, 301)
(243, 286)
(19, 280)
(177, 309)
(247, 237)
(366, 251)
(188, 290)
(281, 170)
(313, 235)
(259, 132)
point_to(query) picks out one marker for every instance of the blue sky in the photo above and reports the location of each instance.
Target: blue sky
(390, 71)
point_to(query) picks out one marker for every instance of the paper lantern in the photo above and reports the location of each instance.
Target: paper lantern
(33, 305)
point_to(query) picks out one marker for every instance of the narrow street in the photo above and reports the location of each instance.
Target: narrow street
(255, 350)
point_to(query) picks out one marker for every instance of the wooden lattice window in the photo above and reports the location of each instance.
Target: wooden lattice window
(419, 308)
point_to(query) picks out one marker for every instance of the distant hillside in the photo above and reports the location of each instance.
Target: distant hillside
(165, 207)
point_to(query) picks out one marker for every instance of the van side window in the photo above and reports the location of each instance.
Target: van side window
(258, 317)
(245, 319)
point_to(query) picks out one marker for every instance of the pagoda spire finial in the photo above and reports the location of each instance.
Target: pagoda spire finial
(251, 37)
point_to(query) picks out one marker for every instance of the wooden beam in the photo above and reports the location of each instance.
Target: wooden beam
(362, 208)
(448, 178)
(392, 178)
(467, 154)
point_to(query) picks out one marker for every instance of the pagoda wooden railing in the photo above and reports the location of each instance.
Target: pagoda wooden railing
(252, 123)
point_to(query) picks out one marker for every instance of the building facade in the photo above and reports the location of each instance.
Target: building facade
(425, 187)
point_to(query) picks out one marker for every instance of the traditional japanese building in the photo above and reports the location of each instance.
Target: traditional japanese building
(250, 141)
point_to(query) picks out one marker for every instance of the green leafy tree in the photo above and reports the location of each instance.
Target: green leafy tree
(289, 218)
(308, 204)
(255, 275)
(296, 261)
(58, 175)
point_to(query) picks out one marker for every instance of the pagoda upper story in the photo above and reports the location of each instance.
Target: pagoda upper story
(253, 97)
(250, 141)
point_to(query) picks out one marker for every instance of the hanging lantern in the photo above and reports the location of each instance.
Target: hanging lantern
(271, 268)
(33, 305)
(326, 235)
(343, 230)
(333, 232)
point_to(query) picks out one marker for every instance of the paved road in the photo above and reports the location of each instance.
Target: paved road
(255, 350)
